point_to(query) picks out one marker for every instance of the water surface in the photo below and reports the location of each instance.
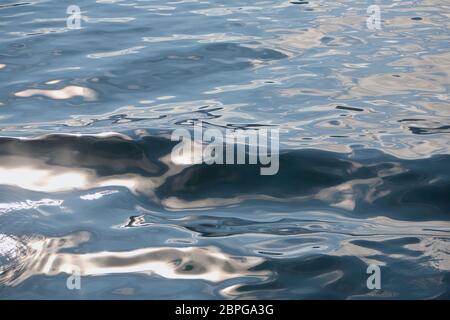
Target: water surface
(86, 177)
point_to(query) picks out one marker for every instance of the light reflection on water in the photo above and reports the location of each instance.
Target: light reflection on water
(86, 177)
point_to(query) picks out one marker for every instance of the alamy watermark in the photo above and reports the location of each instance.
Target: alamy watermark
(373, 22)
(213, 146)
(73, 21)
(374, 280)
(73, 282)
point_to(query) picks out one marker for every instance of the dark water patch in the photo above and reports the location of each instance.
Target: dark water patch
(349, 108)
(441, 129)
(12, 5)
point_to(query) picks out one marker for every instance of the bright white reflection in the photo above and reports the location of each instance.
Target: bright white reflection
(61, 94)
(29, 204)
(41, 180)
(206, 263)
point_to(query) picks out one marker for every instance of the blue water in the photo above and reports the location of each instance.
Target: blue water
(86, 178)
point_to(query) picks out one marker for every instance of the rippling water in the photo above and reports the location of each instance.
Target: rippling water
(86, 177)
